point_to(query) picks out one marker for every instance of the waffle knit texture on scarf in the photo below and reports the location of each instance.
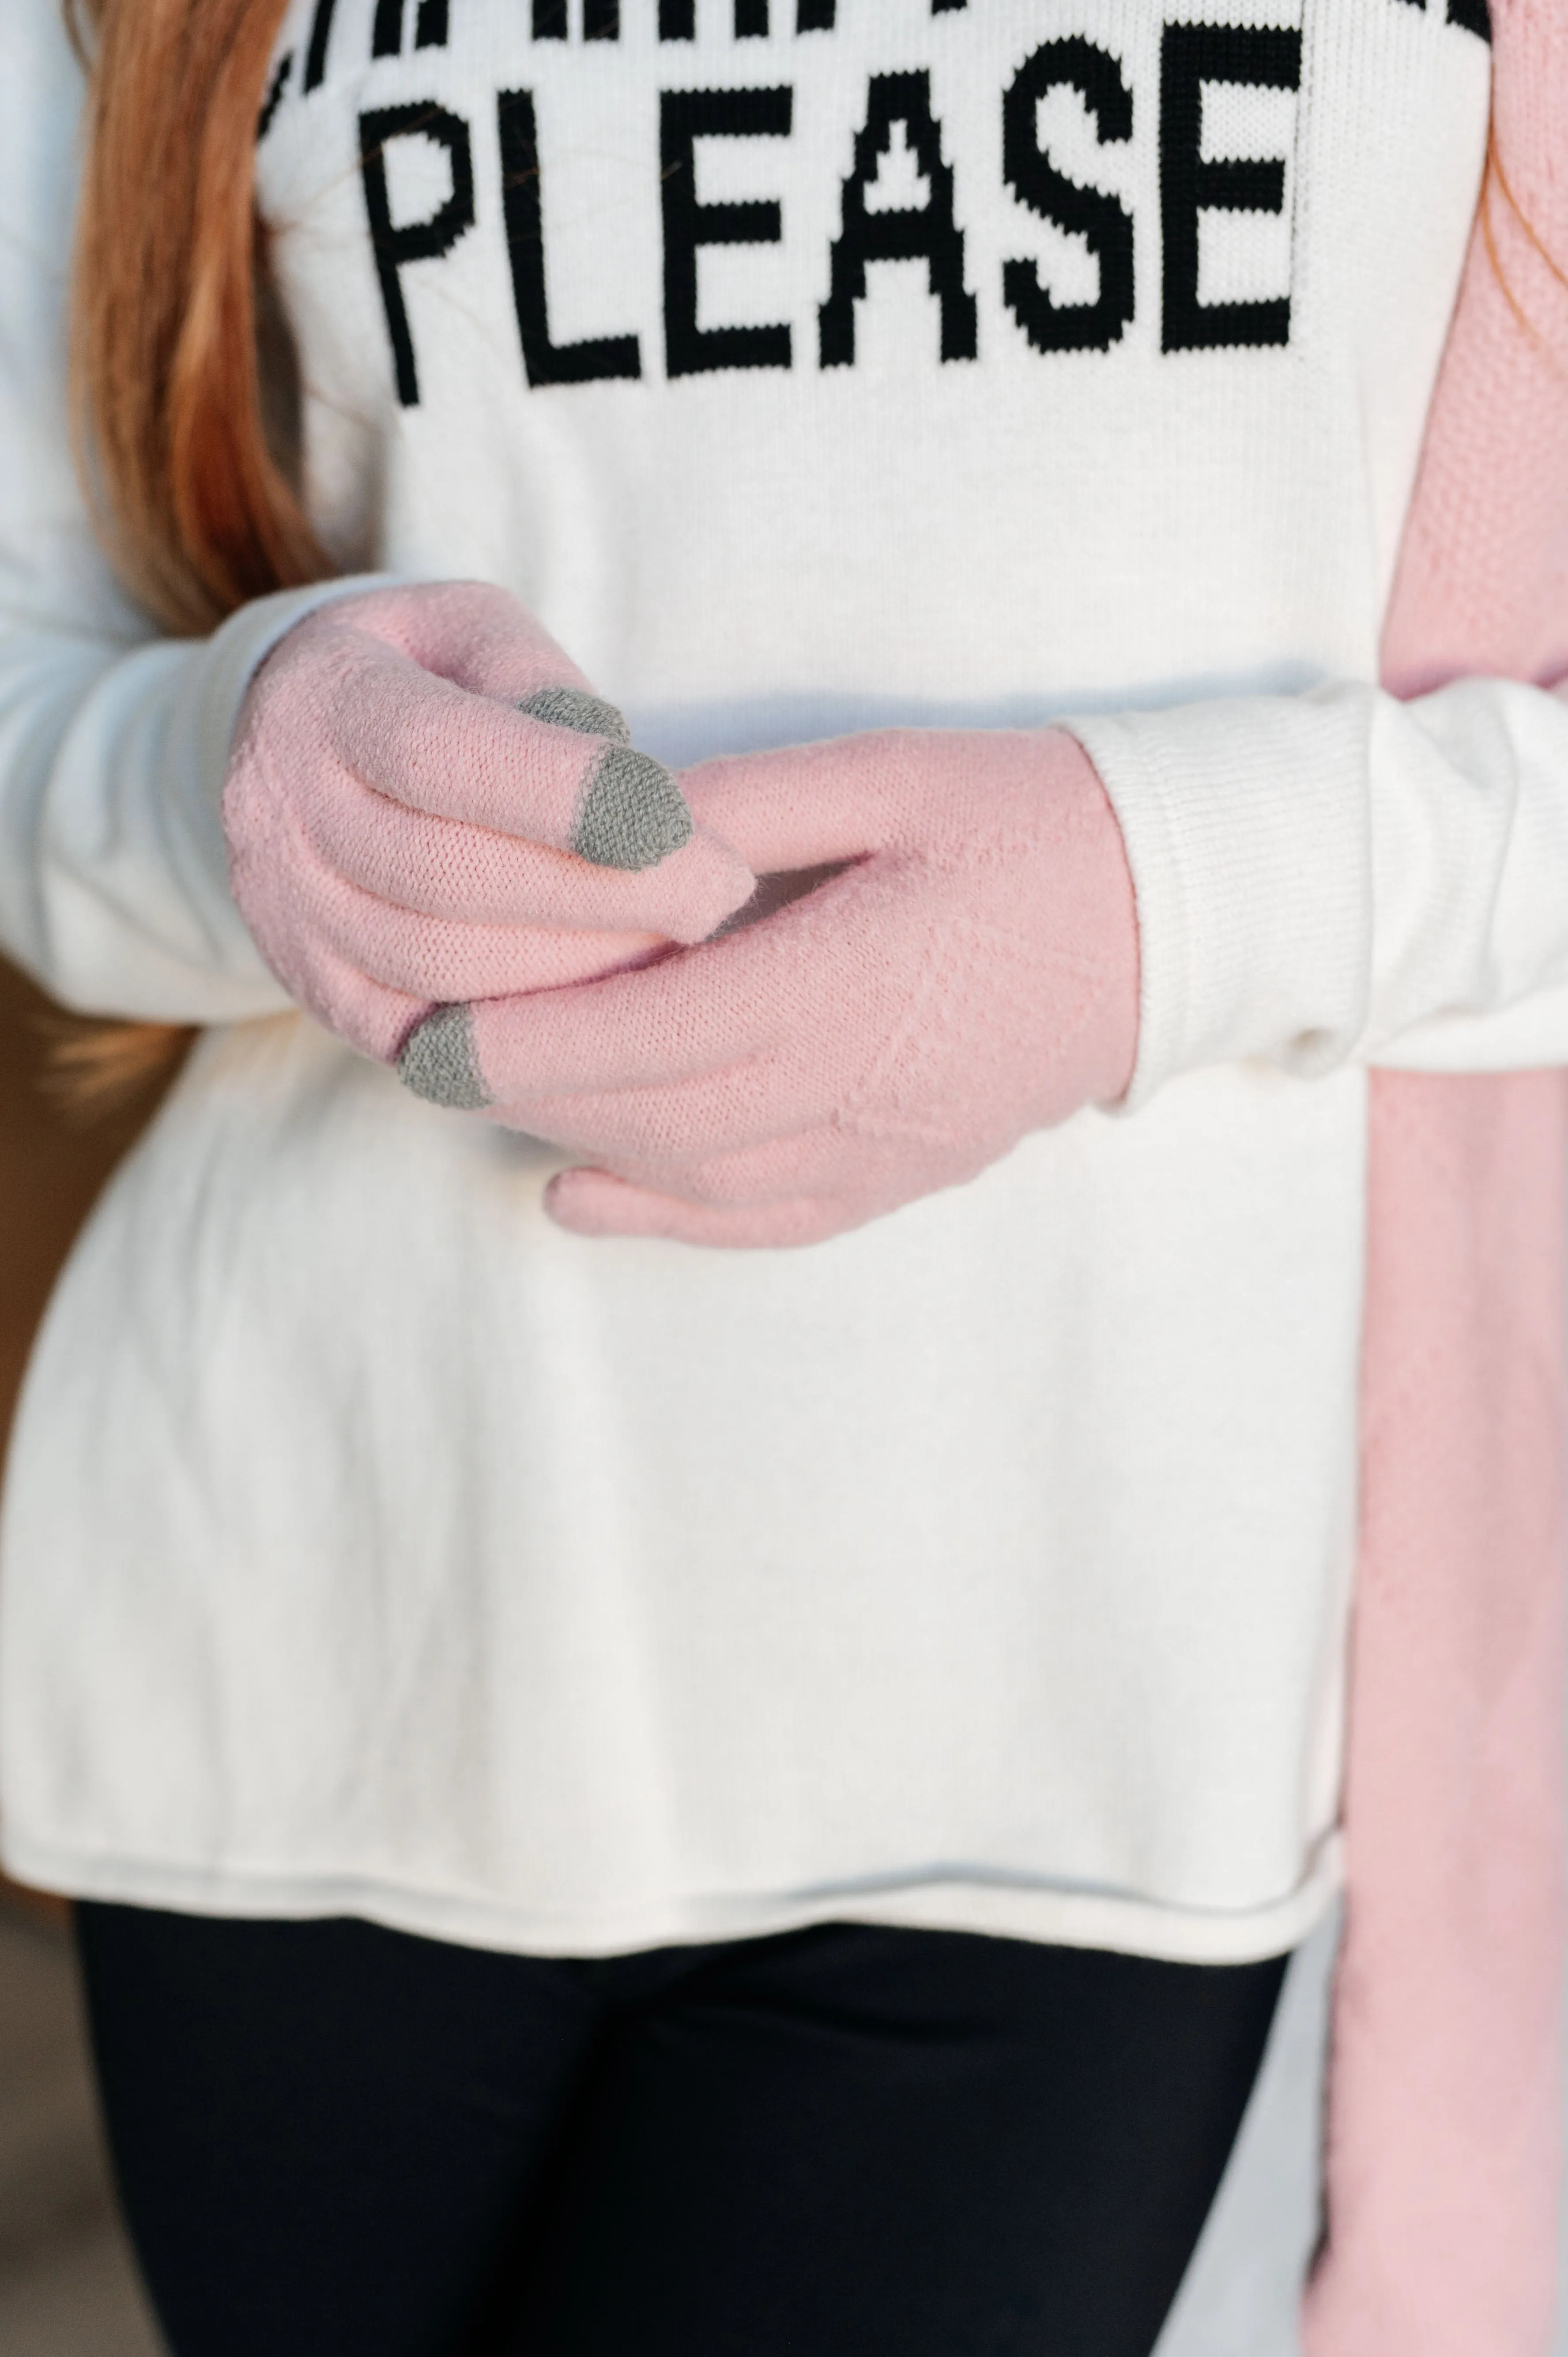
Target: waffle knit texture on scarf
(1444, 2107)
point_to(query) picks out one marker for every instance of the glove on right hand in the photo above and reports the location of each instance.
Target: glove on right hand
(967, 973)
(425, 803)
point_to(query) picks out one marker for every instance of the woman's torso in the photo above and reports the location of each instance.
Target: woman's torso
(987, 1565)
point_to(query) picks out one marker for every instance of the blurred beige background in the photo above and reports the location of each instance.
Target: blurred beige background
(67, 2286)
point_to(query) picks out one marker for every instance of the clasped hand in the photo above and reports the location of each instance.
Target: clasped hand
(967, 971)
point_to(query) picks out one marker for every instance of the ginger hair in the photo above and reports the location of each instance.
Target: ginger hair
(197, 509)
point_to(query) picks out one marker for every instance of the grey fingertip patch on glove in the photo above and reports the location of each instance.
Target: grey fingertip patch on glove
(632, 813)
(573, 708)
(440, 1063)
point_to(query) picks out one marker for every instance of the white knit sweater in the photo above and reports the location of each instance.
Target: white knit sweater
(369, 1543)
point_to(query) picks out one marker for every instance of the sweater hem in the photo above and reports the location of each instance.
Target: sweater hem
(1049, 1915)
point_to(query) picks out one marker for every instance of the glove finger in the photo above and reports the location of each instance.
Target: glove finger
(502, 1051)
(593, 1203)
(712, 1008)
(805, 806)
(781, 1169)
(557, 768)
(295, 899)
(752, 1106)
(373, 1020)
(471, 632)
(443, 963)
(444, 868)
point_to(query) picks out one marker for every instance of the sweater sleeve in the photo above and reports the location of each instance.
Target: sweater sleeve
(113, 890)
(1340, 876)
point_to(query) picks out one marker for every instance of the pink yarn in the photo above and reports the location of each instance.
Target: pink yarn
(400, 834)
(1442, 2156)
(971, 973)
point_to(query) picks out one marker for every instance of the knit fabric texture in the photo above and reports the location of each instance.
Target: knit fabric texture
(416, 813)
(1443, 2118)
(969, 974)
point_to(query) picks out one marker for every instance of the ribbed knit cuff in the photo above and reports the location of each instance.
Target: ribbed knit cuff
(1247, 833)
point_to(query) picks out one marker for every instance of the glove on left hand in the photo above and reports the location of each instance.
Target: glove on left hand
(426, 803)
(970, 975)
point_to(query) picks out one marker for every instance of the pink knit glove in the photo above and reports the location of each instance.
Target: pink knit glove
(425, 803)
(968, 975)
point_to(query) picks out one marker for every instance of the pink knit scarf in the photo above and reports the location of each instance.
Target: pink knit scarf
(1442, 2125)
